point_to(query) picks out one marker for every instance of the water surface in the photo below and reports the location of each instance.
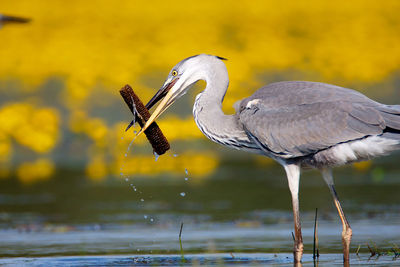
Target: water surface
(70, 220)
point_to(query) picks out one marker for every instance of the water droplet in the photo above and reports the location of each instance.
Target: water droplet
(156, 156)
(141, 199)
(186, 171)
(126, 179)
(186, 178)
(130, 144)
(183, 194)
(145, 216)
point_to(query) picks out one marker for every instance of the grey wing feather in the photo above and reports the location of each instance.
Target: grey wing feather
(294, 119)
(391, 115)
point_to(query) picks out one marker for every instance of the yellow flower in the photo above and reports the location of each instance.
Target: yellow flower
(362, 166)
(95, 128)
(38, 170)
(6, 148)
(137, 42)
(198, 164)
(33, 127)
(123, 41)
(97, 168)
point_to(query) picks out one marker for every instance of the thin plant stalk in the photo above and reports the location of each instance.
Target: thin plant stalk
(315, 245)
(180, 243)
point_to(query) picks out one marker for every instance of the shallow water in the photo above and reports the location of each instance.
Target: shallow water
(71, 221)
(216, 259)
(198, 236)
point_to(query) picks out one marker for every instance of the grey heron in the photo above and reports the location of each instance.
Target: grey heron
(298, 124)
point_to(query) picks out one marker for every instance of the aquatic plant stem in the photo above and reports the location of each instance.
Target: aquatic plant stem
(180, 243)
(315, 244)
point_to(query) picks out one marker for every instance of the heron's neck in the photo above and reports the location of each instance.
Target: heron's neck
(209, 117)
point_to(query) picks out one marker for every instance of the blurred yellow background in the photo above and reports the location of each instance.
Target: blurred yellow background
(60, 73)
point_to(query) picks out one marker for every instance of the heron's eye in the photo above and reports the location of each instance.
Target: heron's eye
(174, 73)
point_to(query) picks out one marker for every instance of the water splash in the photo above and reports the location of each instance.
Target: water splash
(175, 155)
(182, 194)
(126, 155)
(145, 216)
(186, 178)
(141, 200)
(134, 111)
(152, 220)
(156, 156)
(130, 144)
(186, 171)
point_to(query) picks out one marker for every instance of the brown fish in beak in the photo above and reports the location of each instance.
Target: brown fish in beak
(141, 114)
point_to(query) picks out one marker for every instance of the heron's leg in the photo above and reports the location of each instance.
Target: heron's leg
(347, 232)
(293, 175)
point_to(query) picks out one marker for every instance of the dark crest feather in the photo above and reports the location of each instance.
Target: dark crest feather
(221, 58)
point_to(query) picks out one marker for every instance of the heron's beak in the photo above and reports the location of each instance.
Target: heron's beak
(168, 98)
(161, 93)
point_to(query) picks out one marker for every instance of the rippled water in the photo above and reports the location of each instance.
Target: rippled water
(221, 259)
(71, 221)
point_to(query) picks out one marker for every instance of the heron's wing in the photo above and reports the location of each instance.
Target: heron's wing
(303, 121)
(281, 94)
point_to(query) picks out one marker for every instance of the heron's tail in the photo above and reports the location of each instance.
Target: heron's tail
(391, 115)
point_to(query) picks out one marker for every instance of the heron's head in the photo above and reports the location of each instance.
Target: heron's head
(181, 77)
